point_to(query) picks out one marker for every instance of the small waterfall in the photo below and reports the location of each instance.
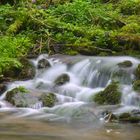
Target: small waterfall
(88, 76)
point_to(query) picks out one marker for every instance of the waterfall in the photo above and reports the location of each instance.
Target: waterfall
(88, 76)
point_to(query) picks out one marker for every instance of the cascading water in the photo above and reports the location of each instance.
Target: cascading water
(88, 76)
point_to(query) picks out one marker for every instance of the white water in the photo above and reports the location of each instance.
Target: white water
(88, 76)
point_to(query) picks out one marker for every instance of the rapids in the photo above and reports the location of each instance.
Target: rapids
(88, 76)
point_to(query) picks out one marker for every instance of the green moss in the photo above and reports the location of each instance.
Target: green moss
(129, 7)
(136, 85)
(110, 95)
(48, 99)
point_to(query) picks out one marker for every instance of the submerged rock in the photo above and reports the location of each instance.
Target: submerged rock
(121, 76)
(48, 99)
(109, 96)
(126, 117)
(129, 117)
(125, 64)
(43, 63)
(62, 79)
(21, 97)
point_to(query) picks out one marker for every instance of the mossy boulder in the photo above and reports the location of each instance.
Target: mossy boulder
(62, 79)
(25, 72)
(20, 97)
(136, 85)
(43, 63)
(48, 99)
(137, 72)
(125, 64)
(109, 96)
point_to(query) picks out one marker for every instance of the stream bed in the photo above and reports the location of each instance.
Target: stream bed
(20, 129)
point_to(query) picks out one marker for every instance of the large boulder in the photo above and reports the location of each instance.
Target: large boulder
(62, 79)
(109, 96)
(43, 63)
(21, 97)
(48, 99)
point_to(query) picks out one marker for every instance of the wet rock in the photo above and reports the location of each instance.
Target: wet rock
(21, 97)
(125, 64)
(3, 88)
(62, 79)
(137, 72)
(43, 63)
(128, 117)
(109, 96)
(27, 71)
(109, 116)
(48, 99)
(121, 76)
(136, 112)
(136, 85)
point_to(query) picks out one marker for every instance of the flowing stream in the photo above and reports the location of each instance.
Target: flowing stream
(75, 116)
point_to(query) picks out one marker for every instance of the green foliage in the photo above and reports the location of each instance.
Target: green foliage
(22, 89)
(78, 26)
(12, 48)
(129, 7)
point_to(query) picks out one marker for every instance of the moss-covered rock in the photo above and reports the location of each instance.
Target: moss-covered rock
(109, 96)
(62, 79)
(125, 64)
(48, 99)
(136, 85)
(20, 97)
(43, 63)
(137, 72)
(25, 72)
